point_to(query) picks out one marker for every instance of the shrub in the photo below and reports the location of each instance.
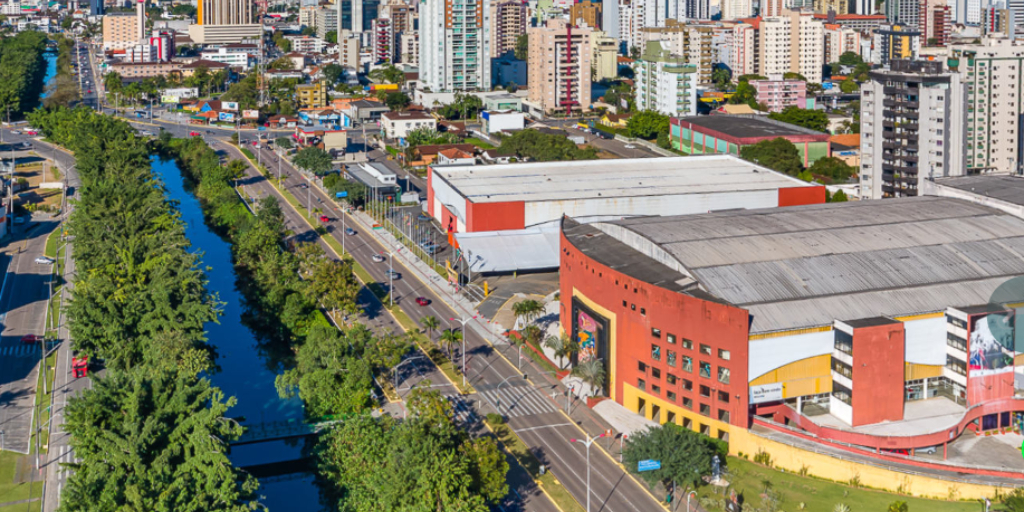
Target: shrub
(495, 419)
(762, 457)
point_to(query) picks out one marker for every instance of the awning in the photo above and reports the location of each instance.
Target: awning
(511, 251)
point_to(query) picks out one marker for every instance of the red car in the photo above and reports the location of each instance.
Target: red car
(31, 132)
(422, 301)
(80, 366)
(193, 134)
(29, 339)
(324, 219)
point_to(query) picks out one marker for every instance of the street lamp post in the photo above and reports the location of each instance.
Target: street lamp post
(497, 395)
(589, 441)
(395, 369)
(463, 321)
(391, 277)
(688, 495)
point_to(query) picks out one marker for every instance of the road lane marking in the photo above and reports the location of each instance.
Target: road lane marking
(542, 426)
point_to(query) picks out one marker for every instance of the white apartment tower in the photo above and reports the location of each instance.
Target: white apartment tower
(455, 45)
(560, 66)
(912, 128)
(665, 82)
(793, 42)
(735, 9)
(992, 72)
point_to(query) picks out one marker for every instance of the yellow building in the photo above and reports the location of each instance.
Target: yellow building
(312, 95)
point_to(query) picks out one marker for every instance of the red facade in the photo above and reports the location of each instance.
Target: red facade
(878, 373)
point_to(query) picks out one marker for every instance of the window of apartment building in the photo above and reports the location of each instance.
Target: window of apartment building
(705, 410)
(671, 379)
(655, 332)
(705, 370)
(656, 389)
(723, 354)
(644, 313)
(843, 342)
(688, 403)
(671, 395)
(655, 373)
(723, 397)
(641, 366)
(671, 338)
(705, 391)
(842, 368)
(687, 344)
(687, 364)
(723, 415)
(687, 385)
(842, 393)
(705, 349)
(956, 365)
(723, 375)
(671, 358)
(641, 385)
(655, 352)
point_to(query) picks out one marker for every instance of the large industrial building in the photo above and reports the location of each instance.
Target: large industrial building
(875, 324)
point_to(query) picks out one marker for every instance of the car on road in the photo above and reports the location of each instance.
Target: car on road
(325, 219)
(16, 132)
(378, 258)
(193, 134)
(392, 274)
(31, 338)
(422, 301)
(630, 146)
(350, 231)
(31, 132)
(43, 260)
(89, 91)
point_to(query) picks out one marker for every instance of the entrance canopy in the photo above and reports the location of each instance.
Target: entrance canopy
(511, 251)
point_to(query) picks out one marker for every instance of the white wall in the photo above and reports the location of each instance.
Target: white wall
(926, 341)
(771, 353)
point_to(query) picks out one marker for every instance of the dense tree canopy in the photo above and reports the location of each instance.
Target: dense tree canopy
(685, 455)
(22, 68)
(832, 168)
(313, 159)
(777, 154)
(647, 124)
(811, 119)
(543, 147)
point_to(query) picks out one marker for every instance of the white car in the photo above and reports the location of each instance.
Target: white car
(378, 258)
(43, 260)
(16, 132)
(630, 146)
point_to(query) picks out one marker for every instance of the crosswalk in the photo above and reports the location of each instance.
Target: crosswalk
(461, 410)
(519, 401)
(64, 454)
(24, 350)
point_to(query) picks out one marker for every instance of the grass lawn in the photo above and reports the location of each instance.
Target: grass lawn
(480, 143)
(817, 495)
(10, 490)
(23, 507)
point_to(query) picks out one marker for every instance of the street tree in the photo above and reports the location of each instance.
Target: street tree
(647, 124)
(313, 159)
(448, 338)
(527, 310)
(591, 372)
(430, 323)
(685, 456)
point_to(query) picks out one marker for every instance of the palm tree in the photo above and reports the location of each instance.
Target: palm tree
(563, 346)
(526, 310)
(430, 323)
(592, 372)
(448, 337)
(531, 333)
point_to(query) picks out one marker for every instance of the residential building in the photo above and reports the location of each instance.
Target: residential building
(328, 20)
(383, 37)
(225, 21)
(509, 20)
(736, 9)
(895, 42)
(665, 82)
(606, 53)
(791, 43)
(403, 16)
(397, 125)
(935, 22)
(839, 40)
(860, 22)
(234, 55)
(992, 71)
(507, 70)
(95, 7)
(120, 31)
(307, 16)
(349, 49)
(307, 44)
(689, 40)
(969, 11)
(311, 95)
(743, 54)
(587, 12)
(998, 20)
(913, 126)
(770, 8)
(560, 64)
(833, 6)
(626, 19)
(1016, 7)
(455, 42)
(777, 94)
(903, 12)
(409, 48)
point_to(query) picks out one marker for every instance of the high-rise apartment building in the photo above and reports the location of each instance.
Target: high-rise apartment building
(735, 9)
(690, 41)
(120, 31)
(455, 45)
(307, 16)
(610, 20)
(770, 8)
(509, 20)
(912, 128)
(777, 93)
(903, 12)
(587, 12)
(559, 63)
(383, 39)
(994, 19)
(606, 56)
(992, 72)
(403, 16)
(409, 48)
(328, 19)
(791, 43)
(895, 42)
(349, 48)
(935, 22)
(743, 54)
(839, 40)
(836, 6)
(664, 82)
(225, 12)
(969, 11)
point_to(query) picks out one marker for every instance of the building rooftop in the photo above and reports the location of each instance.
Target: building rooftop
(407, 116)
(589, 179)
(1008, 189)
(805, 266)
(743, 126)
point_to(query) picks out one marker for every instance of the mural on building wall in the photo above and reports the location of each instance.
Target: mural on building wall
(991, 344)
(586, 336)
(591, 331)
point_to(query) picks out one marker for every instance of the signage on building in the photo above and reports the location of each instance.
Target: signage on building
(766, 393)
(225, 116)
(182, 92)
(166, 98)
(847, 153)
(251, 114)
(229, 105)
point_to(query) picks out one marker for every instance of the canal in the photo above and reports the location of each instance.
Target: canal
(51, 70)
(242, 373)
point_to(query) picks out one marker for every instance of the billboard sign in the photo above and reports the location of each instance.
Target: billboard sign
(766, 393)
(225, 116)
(648, 465)
(991, 344)
(251, 114)
(182, 92)
(229, 105)
(167, 98)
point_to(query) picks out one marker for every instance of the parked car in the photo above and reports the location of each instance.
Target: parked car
(926, 449)
(43, 260)
(16, 132)
(422, 301)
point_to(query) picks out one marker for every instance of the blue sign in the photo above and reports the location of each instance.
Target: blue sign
(263, 128)
(648, 465)
(225, 116)
(341, 194)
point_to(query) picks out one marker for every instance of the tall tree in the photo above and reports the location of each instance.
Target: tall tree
(592, 372)
(685, 455)
(647, 124)
(777, 154)
(313, 159)
(811, 119)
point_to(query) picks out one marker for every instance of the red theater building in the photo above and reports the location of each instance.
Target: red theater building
(885, 325)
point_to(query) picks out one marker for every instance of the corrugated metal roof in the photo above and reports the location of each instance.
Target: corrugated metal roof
(806, 266)
(586, 179)
(511, 250)
(1003, 188)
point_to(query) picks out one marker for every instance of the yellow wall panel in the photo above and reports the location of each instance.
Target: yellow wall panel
(913, 371)
(631, 400)
(812, 367)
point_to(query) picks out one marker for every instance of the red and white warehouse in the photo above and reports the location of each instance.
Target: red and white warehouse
(529, 195)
